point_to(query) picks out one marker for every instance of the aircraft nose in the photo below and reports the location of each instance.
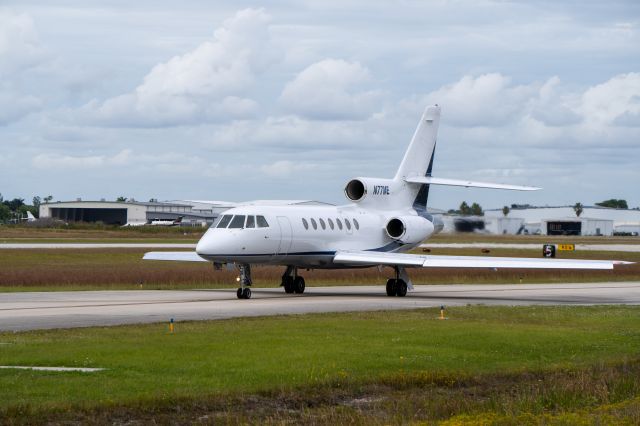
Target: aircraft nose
(206, 245)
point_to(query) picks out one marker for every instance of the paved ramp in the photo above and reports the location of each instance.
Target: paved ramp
(42, 310)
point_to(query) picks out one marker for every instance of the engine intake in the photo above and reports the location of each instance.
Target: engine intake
(409, 229)
(395, 228)
(355, 190)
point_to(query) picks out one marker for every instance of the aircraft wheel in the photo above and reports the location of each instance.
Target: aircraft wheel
(391, 287)
(288, 285)
(246, 293)
(298, 285)
(401, 288)
(239, 293)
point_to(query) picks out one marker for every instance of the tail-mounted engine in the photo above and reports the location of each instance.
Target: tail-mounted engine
(409, 229)
(379, 193)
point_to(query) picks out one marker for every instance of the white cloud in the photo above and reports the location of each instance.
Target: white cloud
(206, 84)
(615, 99)
(330, 89)
(20, 50)
(70, 162)
(486, 100)
(286, 168)
(20, 46)
(14, 106)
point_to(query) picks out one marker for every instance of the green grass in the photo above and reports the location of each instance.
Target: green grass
(151, 370)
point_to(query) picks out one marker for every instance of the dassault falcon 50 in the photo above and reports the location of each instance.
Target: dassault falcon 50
(384, 219)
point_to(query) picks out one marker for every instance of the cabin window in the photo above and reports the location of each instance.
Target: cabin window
(339, 224)
(356, 224)
(314, 224)
(251, 222)
(305, 223)
(322, 224)
(348, 224)
(330, 223)
(224, 221)
(262, 222)
(237, 222)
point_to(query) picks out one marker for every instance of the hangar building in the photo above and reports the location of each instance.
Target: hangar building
(594, 220)
(134, 212)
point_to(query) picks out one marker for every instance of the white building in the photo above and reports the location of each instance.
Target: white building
(133, 212)
(594, 220)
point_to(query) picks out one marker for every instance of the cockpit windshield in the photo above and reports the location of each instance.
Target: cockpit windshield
(224, 221)
(241, 221)
(237, 221)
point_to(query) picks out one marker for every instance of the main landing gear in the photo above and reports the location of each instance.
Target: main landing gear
(292, 282)
(244, 292)
(398, 286)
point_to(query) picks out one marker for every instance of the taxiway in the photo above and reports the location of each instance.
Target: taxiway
(45, 310)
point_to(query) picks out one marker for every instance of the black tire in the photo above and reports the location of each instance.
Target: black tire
(391, 287)
(401, 288)
(239, 294)
(246, 293)
(298, 285)
(288, 285)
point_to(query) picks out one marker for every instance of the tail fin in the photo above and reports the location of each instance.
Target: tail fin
(418, 160)
(419, 156)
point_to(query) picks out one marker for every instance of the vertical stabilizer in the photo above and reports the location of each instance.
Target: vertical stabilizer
(419, 156)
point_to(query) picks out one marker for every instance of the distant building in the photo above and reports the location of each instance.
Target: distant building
(134, 212)
(562, 220)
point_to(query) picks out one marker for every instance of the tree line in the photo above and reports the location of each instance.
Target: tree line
(17, 208)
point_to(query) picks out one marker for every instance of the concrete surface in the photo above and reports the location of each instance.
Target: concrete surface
(41, 310)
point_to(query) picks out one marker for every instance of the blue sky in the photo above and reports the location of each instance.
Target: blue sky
(289, 100)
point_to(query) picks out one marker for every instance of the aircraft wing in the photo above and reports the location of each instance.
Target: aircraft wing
(432, 261)
(184, 256)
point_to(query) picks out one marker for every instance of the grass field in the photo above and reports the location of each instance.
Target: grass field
(78, 269)
(485, 364)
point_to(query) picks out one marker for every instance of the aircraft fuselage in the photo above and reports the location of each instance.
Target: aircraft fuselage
(304, 236)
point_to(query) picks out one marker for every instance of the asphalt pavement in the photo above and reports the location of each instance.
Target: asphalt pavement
(46, 310)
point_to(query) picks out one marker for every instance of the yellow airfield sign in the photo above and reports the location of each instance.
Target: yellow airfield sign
(566, 247)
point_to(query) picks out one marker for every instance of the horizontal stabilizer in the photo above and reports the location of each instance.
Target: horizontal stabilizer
(468, 184)
(412, 260)
(179, 256)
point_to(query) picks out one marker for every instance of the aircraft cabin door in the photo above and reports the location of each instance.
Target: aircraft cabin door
(285, 235)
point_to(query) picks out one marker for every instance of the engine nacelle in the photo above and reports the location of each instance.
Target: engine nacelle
(371, 190)
(409, 229)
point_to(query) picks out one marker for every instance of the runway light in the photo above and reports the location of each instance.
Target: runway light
(171, 326)
(442, 317)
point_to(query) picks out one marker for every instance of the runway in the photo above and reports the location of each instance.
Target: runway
(45, 310)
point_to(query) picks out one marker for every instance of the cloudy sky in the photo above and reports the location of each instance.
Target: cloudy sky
(237, 101)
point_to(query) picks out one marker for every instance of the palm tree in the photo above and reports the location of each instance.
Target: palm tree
(578, 208)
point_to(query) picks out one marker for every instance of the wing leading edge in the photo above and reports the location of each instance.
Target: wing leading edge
(432, 261)
(180, 256)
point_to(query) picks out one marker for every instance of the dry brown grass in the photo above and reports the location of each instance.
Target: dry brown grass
(10, 233)
(124, 268)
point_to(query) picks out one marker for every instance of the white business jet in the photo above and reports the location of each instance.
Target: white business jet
(385, 218)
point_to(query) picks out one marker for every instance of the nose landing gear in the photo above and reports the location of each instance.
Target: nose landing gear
(292, 282)
(244, 292)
